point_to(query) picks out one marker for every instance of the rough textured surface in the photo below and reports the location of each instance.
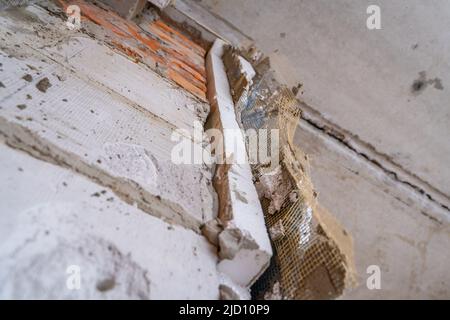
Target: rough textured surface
(86, 141)
(210, 26)
(392, 228)
(230, 291)
(313, 254)
(161, 3)
(369, 74)
(87, 119)
(153, 42)
(52, 218)
(244, 244)
(384, 169)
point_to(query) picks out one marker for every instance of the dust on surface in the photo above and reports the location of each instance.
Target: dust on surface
(419, 85)
(43, 85)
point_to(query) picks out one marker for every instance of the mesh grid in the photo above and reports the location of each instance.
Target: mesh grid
(306, 264)
(296, 260)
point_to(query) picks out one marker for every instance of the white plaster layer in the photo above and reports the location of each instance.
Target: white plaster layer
(52, 218)
(245, 237)
(87, 119)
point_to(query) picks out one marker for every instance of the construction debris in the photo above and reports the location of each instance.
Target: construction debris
(312, 253)
(155, 43)
(86, 156)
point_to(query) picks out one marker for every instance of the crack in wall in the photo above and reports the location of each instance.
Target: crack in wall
(410, 180)
(331, 130)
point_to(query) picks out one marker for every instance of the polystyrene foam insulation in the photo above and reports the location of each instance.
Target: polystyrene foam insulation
(244, 244)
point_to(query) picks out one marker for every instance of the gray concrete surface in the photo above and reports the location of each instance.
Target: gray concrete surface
(390, 224)
(386, 92)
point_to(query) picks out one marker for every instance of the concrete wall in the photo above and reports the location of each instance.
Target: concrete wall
(52, 219)
(91, 123)
(391, 227)
(86, 171)
(362, 84)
